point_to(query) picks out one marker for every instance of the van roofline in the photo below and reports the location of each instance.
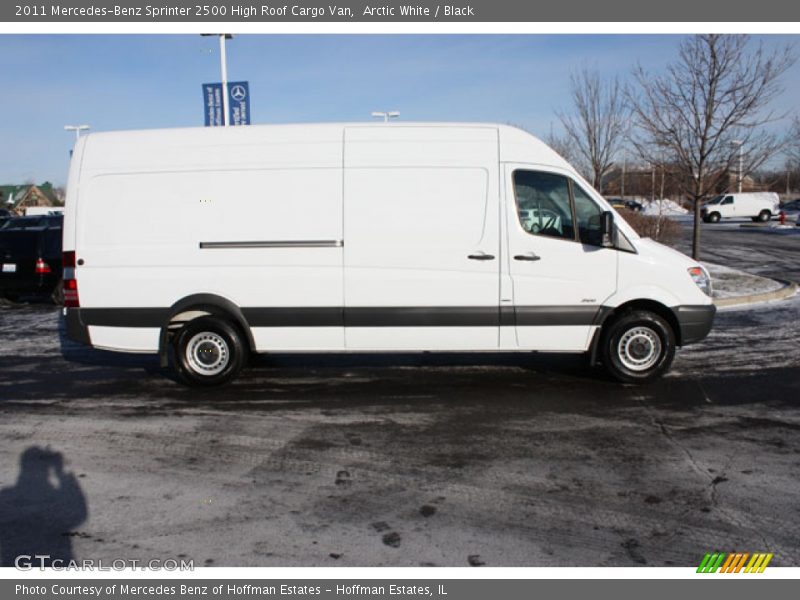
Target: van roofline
(335, 124)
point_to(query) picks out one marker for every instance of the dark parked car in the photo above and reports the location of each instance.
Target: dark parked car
(30, 257)
(617, 203)
(791, 210)
(4, 216)
(633, 205)
(791, 205)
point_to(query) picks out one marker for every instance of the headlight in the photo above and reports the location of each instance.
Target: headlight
(702, 279)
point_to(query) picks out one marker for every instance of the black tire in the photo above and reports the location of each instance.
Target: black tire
(57, 295)
(638, 347)
(764, 216)
(714, 217)
(209, 351)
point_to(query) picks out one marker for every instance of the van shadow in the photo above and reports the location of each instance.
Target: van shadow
(39, 512)
(330, 380)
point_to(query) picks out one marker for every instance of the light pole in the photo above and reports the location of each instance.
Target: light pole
(223, 70)
(392, 114)
(77, 129)
(739, 144)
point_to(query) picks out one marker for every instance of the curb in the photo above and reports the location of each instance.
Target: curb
(768, 227)
(789, 289)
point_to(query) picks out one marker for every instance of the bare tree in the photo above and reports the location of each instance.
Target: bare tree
(560, 144)
(596, 130)
(793, 148)
(61, 195)
(707, 113)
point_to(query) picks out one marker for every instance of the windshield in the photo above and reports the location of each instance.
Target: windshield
(716, 200)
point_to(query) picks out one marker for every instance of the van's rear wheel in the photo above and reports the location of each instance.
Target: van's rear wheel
(764, 216)
(209, 351)
(638, 347)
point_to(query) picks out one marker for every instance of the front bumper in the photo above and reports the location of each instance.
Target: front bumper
(695, 322)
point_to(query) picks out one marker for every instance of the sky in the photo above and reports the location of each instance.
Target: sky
(133, 81)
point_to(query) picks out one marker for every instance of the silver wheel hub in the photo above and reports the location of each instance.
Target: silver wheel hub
(207, 353)
(639, 348)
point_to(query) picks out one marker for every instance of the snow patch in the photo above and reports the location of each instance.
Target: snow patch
(663, 207)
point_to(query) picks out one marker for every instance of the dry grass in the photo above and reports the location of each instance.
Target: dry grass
(659, 228)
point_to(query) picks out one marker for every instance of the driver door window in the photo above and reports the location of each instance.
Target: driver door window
(588, 217)
(552, 205)
(543, 205)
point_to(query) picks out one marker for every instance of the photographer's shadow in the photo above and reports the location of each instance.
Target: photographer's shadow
(38, 512)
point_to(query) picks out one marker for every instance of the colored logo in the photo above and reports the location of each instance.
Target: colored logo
(734, 562)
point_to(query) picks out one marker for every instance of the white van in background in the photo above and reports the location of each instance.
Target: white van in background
(758, 206)
(219, 242)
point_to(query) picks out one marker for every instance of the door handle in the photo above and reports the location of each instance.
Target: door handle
(530, 256)
(481, 256)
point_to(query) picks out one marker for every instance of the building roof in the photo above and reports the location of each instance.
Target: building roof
(19, 192)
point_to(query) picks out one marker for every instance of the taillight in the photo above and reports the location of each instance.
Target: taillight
(71, 293)
(70, 283)
(68, 259)
(42, 267)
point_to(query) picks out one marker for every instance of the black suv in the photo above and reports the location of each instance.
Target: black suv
(30, 256)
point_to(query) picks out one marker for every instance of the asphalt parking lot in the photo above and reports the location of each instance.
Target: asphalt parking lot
(408, 460)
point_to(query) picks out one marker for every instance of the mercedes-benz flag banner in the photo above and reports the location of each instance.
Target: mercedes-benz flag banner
(238, 103)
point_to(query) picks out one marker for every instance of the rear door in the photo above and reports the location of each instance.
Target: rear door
(421, 232)
(561, 274)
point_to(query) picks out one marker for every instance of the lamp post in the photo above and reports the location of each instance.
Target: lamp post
(223, 71)
(739, 144)
(77, 129)
(392, 114)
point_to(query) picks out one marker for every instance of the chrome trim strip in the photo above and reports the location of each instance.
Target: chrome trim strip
(275, 244)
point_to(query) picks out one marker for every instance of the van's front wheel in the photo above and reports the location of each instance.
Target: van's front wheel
(209, 351)
(638, 347)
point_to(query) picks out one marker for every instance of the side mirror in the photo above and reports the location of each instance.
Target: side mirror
(607, 227)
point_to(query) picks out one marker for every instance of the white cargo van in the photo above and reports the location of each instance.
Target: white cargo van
(758, 206)
(219, 242)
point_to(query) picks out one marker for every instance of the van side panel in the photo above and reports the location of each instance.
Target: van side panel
(418, 203)
(157, 228)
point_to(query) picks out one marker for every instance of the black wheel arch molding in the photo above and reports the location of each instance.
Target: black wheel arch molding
(209, 303)
(691, 323)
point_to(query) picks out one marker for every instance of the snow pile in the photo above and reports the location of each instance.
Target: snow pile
(663, 207)
(731, 283)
